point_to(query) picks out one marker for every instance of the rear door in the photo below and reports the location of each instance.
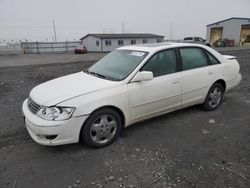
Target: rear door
(197, 75)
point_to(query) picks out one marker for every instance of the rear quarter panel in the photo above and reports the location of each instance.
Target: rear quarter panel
(231, 69)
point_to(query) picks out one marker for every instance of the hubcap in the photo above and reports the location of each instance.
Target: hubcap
(103, 129)
(215, 97)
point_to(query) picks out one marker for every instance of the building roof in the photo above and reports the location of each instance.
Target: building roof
(233, 18)
(123, 35)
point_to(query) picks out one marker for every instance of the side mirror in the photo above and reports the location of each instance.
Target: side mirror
(143, 76)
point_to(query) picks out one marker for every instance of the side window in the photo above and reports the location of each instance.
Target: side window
(162, 63)
(212, 59)
(158, 40)
(108, 42)
(133, 41)
(120, 42)
(193, 58)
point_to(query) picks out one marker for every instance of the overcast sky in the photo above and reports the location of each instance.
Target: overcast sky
(32, 19)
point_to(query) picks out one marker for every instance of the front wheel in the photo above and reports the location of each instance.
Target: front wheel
(101, 128)
(214, 97)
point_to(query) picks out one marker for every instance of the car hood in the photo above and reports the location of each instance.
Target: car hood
(67, 87)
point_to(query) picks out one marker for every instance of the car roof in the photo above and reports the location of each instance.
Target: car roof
(154, 47)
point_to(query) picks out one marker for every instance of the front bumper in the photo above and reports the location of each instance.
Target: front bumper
(52, 132)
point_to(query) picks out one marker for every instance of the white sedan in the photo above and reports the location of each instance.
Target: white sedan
(128, 85)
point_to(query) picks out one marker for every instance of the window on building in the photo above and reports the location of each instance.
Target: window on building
(162, 63)
(159, 40)
(97, 43)
(144, 41)
(120, 42)
(108, 42)
(133, 41)
(193, 58)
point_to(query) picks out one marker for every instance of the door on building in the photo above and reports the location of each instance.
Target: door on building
(245, 35)
(216, 34)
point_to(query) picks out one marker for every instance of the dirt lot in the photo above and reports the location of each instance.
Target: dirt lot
(187, 148)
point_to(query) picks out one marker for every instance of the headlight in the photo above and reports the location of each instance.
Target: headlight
(55, 113)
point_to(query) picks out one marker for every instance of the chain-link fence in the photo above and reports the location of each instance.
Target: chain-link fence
(49, 47)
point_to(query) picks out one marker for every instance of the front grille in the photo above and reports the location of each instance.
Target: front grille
(33, 107)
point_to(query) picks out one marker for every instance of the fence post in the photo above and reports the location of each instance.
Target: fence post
(67, 49)
(37, 48)
(52, 50)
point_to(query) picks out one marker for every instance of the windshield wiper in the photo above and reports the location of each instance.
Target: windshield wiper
(100, 75)
(97, 74)
(86, 71)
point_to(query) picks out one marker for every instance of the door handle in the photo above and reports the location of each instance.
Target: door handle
(176, 82)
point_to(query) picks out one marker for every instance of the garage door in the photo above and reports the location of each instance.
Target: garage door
(216, 34)
(245, 35)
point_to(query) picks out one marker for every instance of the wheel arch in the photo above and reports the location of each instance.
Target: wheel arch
(118, 110)
(222, 82)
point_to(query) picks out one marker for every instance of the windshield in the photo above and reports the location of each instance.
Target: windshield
(117, 65)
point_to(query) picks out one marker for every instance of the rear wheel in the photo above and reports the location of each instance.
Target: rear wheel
(101, 128)
(214, 97)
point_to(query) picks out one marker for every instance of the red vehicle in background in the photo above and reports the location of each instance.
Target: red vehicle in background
(81, 50)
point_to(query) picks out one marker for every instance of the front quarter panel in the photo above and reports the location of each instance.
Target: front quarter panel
(86, 104)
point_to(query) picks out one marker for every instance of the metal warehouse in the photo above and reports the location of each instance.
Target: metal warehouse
(109, 42)
(236, 29)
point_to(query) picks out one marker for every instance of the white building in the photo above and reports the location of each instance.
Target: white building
(109, 42)
(237, 29)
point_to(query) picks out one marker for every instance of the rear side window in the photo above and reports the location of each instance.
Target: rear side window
(162, 63)
(193, 58)
(212, 59)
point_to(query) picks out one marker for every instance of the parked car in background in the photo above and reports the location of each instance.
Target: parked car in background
(128, 85)
(197, 40)
(81, 50)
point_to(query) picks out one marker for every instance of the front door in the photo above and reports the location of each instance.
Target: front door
(162, 94)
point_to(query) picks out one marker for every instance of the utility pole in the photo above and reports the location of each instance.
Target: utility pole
(54, 27)
(123, 27)
(171, 32)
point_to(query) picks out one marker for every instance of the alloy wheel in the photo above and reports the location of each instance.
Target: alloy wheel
(103, 129)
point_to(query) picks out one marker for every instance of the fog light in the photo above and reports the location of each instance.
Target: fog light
(50, 137)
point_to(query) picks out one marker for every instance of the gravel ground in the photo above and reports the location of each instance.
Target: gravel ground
(187, 148)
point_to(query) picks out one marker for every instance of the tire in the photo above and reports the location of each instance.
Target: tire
(101, 128)
(214, 97)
